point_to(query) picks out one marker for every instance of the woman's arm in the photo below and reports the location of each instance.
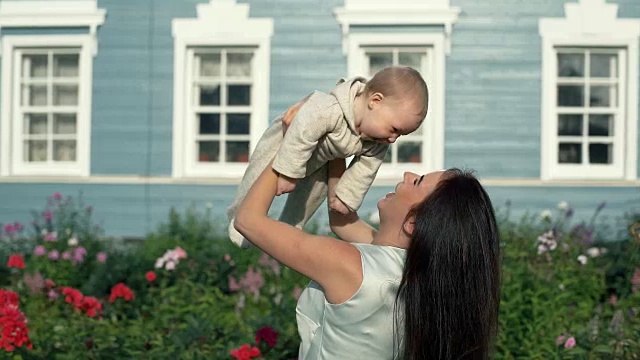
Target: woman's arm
(334, 264)
(347, 227)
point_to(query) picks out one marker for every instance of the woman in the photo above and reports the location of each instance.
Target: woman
(423, 286)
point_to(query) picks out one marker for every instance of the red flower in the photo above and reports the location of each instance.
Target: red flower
(151, 276)
(245, 352)
(8, 298)
(49, 284)
(268, 334)
(73, 296)
(14, 332)
(13, 324)
(16, 261)
(91, 306)
(121, 290)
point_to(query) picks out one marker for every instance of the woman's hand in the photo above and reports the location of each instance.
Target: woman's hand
(285, 184)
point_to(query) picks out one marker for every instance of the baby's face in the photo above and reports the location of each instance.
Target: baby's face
(388, 120)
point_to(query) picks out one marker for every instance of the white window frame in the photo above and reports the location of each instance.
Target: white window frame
(604, 30)
(433, 127)
(46, 14)
(379, 14)
(220, 23)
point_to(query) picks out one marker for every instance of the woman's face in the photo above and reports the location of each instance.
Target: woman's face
(412, 190)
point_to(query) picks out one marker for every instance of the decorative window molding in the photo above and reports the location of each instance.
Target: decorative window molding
(45, 119)
(399, 12)
(221, 71)
(424, 149)
(589, 93)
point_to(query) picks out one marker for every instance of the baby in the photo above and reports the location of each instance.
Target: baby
(357, 118)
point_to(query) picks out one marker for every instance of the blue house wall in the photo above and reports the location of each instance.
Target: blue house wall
(492, 124)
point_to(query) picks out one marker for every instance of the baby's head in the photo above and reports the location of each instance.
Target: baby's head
(395, 103)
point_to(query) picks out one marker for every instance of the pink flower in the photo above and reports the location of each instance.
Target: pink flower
(227, 257)
(79, 254)
(233, 284)
(51, 236)
(47, 215)
(170, 265)
(560, 339)
(150, 276)
(101, 257)
(39, 251)
(635, 281)
(570, 344)
(180, 253)
(54, 255)
(56, 196)
(270, 263)
(52, 294)
(8, 228)
(66, 255)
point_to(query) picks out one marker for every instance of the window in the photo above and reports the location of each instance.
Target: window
(408, 148)
(221, 100)
(46, 88)
(589, 107)
(371, 41)
(589, 112)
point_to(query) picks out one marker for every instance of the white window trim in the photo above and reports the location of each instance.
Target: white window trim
(433, 126)
(589, 23)
(48, 14)
(219, 23)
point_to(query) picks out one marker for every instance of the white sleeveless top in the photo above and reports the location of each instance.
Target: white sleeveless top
(361, 327)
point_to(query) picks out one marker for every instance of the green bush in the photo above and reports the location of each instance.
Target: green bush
(187, 293)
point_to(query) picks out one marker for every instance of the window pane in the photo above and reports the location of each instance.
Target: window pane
(409, 152)
(65, 65)
(569, 125)
(65, 95)
(237, 151)
(570, 95)
(239, 94)
(209, 124)
(604, 65)
(603, 96)
(239, 64)
(35, 150)
(571, 65)
(600, 153)
(64, 123)
(34, 66)
(209, 94)
(570, 153)
(411, 59)
(64, 150)
(35, 124)
(601, 125)
(388, 155)
(379, 61)
(209, 151)
(238, 124)
(34, 95)
(209, 65)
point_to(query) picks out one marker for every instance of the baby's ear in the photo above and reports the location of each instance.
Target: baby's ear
(375, 98)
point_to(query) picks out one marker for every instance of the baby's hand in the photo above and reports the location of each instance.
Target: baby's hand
(285, 184)
(337, 205)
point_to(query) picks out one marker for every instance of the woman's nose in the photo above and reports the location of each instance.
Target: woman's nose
(409, 176)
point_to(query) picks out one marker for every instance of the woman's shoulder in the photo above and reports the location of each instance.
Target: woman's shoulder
(381, 261)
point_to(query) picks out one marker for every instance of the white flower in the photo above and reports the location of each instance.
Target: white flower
(159, 263)
(542, 249)
(582, 259)
(374, 218)
(603, 251)
(67, 231)
(562, 205)
(72, 241)
(593, 252)
(546, 214)
(552, 245)
(170, 265)
(561, 286)
(44, 232)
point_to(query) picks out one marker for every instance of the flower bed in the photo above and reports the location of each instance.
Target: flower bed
(67, 292)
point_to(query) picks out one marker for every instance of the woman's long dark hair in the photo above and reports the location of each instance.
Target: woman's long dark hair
(448, 298)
